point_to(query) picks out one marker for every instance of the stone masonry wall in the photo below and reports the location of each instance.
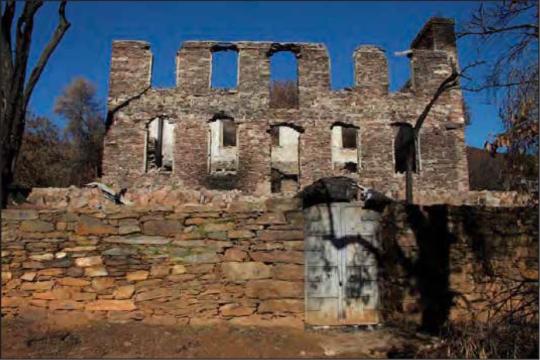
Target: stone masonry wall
(133, 103)
(458, 262)
(241, 261)
(192, 264)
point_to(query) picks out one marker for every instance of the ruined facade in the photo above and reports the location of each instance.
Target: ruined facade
(234, 139)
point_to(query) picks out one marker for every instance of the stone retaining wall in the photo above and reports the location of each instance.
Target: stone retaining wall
(169, 197)
(460, 263)
(242, 261)
(196, 264)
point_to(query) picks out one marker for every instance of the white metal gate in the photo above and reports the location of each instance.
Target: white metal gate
(340, 266)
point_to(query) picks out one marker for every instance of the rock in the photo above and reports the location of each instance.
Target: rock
(294, 257)
(88, 261)
(36, 226)
(283, 204)
(288, 272)
(9, 302)
(234, 254)
(162, 227)
(65, 305)
(6, 276)
(19, 214)
(119, 252)
(40, 285)
(88, 225)
(138, 240)
(240, 234)
(32, 265)
(195, 221)
(281, 235)
(246, 206)
(152, 294)
(95, 271)
(159, 270)
(218, 235)
(102, 283)
(271, 218)
(42, 257)
(60, 255)
(29, 276)
(281, 305)
(274, 289)
(84, 296)
(137, 275)
(39, 303)
(51, 272)
(74, 272)
(124, 292)
(60, 263)
(80, 249)
(214, 227)
(202, 258)
(178, 269)
(47, 295)
(236, 310)
(111, 305)
(67, 281)
(128, 226)
(237, 271)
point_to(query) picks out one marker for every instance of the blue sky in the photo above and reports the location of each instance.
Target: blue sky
(341, 26)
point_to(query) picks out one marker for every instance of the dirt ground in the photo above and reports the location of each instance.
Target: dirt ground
(30, 339)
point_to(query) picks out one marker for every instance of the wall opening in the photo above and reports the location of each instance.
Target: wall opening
(224, 73)
(159, 145)
(222, 145)
(405, 146)
(285, 159)
(283, 76)
(345, 149)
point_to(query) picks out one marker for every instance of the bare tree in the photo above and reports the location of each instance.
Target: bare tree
(284, 94)
(43, 159)
(14, 88)
(507, 39)
(84, 130)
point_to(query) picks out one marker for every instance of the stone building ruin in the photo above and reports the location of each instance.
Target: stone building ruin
(296, 247)
(196, 136)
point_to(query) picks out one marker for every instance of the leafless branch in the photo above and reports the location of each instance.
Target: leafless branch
(491, 30)
(61, 29)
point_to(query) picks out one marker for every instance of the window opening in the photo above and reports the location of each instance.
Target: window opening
(228, 133)
(283, 78)
(405, 146)
(159, 146)
(224, 74)
(348, 137)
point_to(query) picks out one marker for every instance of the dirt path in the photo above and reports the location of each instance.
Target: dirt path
(137, 340)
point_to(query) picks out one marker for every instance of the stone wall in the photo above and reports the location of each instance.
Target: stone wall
(241, 261)
(368, 106)
(195, 264)
(459, 263)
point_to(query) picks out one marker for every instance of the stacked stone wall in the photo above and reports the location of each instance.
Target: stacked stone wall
(194, 264)
(459, 263)
(241, 261)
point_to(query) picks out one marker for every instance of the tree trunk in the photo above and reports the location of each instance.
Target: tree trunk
(409, 179)
(7, 173)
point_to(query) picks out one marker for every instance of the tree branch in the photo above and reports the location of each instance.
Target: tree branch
(7, 19)
(491, 30)
(61, 29)
(450, 82)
